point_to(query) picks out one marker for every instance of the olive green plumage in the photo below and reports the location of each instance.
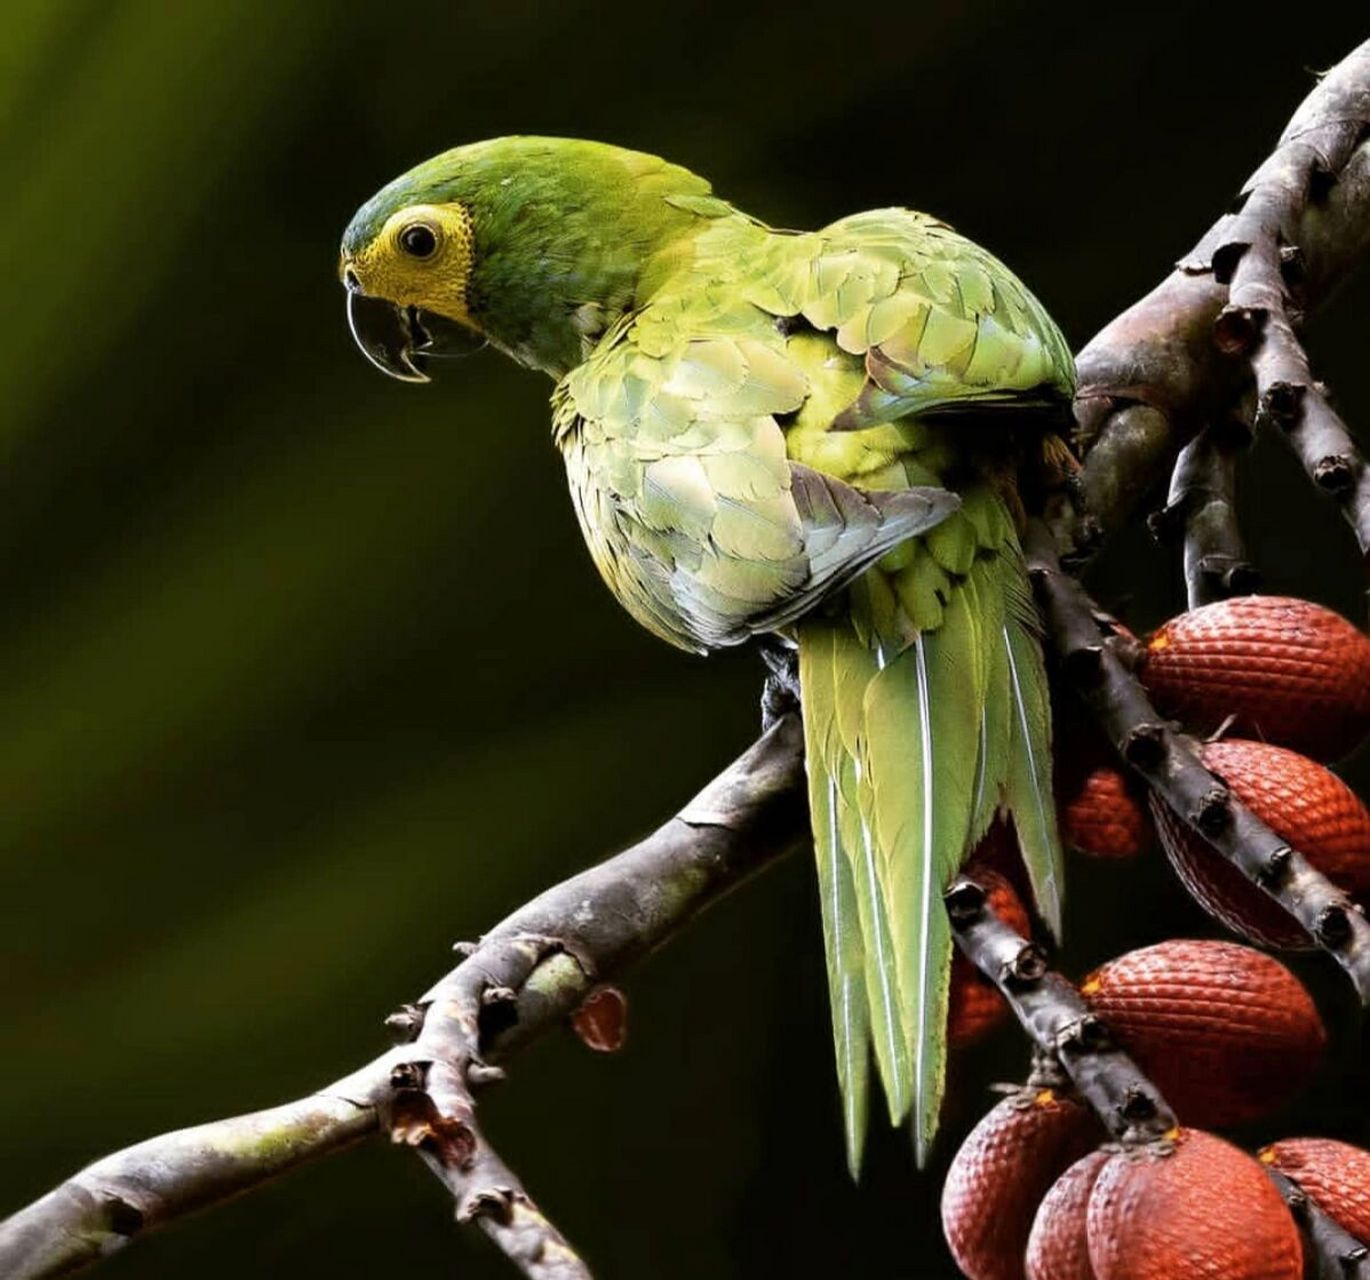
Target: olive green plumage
(813, 434)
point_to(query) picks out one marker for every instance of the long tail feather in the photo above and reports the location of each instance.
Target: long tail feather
(922, 720)
(843, 926)
(1028, 792)
(913, 749)
(846, 966)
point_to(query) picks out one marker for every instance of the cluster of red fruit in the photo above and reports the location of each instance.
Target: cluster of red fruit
(1228, 1035)
(1287, 682)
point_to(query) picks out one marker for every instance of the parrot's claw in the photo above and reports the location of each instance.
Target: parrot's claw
(780, 693)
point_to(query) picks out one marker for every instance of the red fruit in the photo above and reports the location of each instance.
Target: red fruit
(1203, 1209)
(1002, 1170)
(1291, 672)
(1058, 1248)
(1227, 1034)
(1334, 1175)
(1100, 815)
(976, 1006)
(1302, 803)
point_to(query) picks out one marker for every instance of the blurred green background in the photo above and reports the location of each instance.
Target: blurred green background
(305, 673)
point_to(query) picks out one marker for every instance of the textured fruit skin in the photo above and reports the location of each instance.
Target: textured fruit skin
(1227, 1034)
(976, 1006)
(1000, 1174)
(1301, 802)
(1334, 1175)
(1058, 1248)
(1100, 816)
(1204, 1210)
(1291, 672)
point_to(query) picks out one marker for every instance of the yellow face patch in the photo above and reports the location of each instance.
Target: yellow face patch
(421, 257)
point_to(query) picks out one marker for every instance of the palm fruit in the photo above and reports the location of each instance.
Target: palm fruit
(1334, 1175)
(1190, 1206)
(1100, 814)
(976, 1007)
(1226, 1033)
(1290, 671)
(998, 1177)
(1058, 1248)
(1303, 803)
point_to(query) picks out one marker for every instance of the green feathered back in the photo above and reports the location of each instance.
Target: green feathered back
(906, 360)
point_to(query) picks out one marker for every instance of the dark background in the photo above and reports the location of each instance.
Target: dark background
(305, 673)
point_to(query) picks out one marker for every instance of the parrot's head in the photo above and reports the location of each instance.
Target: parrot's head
(533, 244)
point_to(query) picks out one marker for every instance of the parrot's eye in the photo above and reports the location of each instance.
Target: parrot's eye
(419, 240)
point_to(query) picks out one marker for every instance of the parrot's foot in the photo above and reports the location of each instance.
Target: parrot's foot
(780, 694)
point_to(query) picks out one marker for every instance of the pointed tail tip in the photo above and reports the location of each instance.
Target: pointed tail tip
(1046, 899)
(922, 1151)
(855, 1151)
(924, 1140)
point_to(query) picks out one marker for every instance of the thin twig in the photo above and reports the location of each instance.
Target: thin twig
(432, 1107)
(1170, 763)
(1058, 1020)
(1202, 505)
(581, 931)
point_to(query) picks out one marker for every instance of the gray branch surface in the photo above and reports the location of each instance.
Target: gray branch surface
(1202, 507)
(1221, 329)
(1225, 322)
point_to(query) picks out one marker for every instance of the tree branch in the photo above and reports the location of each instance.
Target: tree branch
(1057, 1019)
(1152, 377)
(1259, 257)
(523, 977)
(101, 1209)
(1202, 505)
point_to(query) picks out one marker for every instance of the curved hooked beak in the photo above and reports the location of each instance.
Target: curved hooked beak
(399, 340)
(387, 336)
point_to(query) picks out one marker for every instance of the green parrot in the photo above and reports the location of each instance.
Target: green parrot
(815, 435)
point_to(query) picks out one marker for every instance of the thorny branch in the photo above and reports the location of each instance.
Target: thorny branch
(1220, 329)
(1075, 1042)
